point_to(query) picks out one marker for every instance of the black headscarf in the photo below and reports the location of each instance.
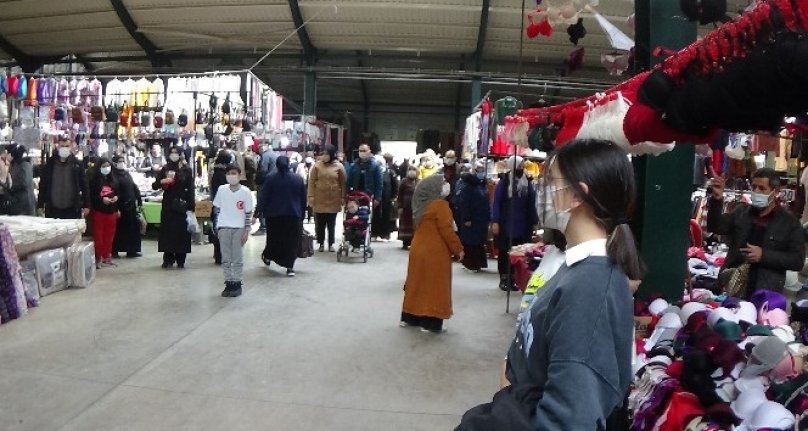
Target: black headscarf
(18, 152)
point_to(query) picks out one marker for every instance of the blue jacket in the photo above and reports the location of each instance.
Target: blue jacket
(520, 224)
(283, 193)
(267, 165)
(471, 205)
(373, 178)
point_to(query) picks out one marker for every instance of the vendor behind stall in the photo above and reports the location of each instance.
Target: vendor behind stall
(153, 162)
(763, 234)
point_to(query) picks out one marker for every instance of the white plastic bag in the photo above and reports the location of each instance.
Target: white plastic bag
(193, 224)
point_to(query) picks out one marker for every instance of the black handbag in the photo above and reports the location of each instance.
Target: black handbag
(179, 205)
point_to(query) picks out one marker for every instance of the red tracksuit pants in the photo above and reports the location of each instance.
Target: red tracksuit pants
(104, 226)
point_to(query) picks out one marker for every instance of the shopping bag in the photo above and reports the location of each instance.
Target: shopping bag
(141, 219)
(306, 248)
(193, 223)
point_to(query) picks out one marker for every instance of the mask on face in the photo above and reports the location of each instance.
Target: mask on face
(553, 218)
(449, 161)
(174, 157)
(64, 152)
(106, 170)
(364, 155)
(761, 200)
(232, 179)
(412, 175)
(518, 172)
(121, 166)
(481, 175)
(446, 190)
(429, 164)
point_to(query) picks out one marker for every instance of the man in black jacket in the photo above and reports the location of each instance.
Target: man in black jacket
(63, 187)
(762, 234)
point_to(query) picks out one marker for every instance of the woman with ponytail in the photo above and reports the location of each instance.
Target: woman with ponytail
(572, 351)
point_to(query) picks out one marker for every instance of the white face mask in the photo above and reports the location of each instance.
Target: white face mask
(174, 157)
(551, 217)
(450, 161)
(64, 152)
(446, 190)
(106, 170)
(232, 179)
(761, 200)
(364, 155)
(121, 166)
(412, 175)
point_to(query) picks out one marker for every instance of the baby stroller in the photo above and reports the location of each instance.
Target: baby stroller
(356, 227)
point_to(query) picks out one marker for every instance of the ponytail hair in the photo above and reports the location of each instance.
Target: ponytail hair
(611, 192)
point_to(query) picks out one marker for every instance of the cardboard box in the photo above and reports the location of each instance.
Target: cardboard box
(204, 209)
(641, 324)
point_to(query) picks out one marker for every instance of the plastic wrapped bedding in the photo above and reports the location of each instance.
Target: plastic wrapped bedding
(32, 234)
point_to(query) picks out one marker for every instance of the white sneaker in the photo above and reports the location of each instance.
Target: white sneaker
(290, 272)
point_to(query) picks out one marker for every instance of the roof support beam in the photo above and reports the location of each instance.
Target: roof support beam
(481, 35)
(26, 62)
(365, 99)
(309, 51)
(128, 22)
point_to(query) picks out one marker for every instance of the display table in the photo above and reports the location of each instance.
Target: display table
(151, 212)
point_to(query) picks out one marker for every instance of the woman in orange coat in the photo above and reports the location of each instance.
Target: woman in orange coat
(428, 289)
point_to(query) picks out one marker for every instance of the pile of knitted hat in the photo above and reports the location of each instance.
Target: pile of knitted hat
(721, 363)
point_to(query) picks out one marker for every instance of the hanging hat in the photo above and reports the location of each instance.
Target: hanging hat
(576, 31)
(704, 11)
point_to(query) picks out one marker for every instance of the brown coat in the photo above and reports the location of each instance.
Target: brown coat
(327, 187)
(428, 289)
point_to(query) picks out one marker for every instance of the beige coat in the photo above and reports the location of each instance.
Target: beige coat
(327, 187)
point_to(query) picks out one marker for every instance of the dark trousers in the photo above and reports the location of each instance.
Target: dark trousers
(428, 323)
(323, 221)
(171, 258)
(69, 213)
(309, 213)
(503, 259)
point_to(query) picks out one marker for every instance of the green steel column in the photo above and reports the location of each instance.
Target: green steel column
(310, 94)
(476, 92)
(665, 182)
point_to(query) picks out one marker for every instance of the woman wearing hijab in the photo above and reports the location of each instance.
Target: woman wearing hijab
(472, 217)
(326, 192)
(428, 289)
(127, 231)
(513, 216)
(219, 178)
(383, 218)
(177, 183)
(19, 184)
(283, 202)
(405, 192)
(104, 199)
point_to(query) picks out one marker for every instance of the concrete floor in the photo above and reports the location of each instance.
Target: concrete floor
(150, 349)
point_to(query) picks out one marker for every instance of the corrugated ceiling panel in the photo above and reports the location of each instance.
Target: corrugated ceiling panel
(49, 25)
(212, 14)
(181, 4)
(384, 12)
(403, 43)
(70, 47)
(419, 31)
(41, 8)
(413, 3)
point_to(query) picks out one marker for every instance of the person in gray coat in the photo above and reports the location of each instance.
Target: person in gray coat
(19, 183)
(763, 234)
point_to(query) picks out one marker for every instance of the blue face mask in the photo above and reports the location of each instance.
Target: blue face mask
(481, 175)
